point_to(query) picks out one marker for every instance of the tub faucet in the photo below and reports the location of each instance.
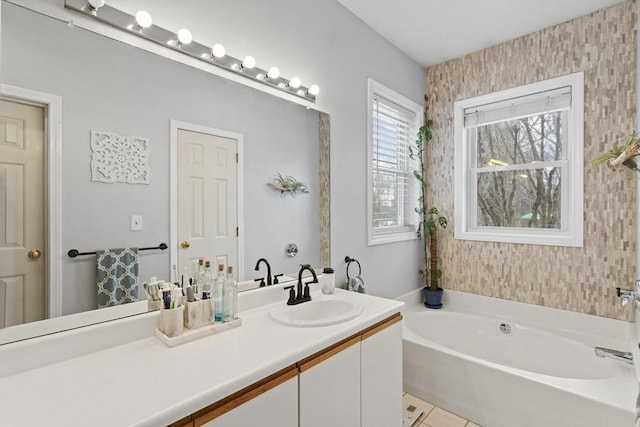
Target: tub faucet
(629, 294)
(623, 356)
(269, 278)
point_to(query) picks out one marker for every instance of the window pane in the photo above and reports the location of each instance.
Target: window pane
(525, 198)
(391, 166)
(535, 138)
(385, 199)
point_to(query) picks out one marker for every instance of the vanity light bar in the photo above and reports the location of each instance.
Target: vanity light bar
(124, 21)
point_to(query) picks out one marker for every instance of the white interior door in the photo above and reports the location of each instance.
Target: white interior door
(22, 228)
(207, 199)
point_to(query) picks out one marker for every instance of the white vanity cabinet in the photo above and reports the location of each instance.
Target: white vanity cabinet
(356, 383)
(381, 375)
(330, 387)
(272, 402)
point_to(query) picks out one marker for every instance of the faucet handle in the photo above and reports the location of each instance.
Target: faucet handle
(292, 295)
(275, 278)
(307, 293)
(261, 280)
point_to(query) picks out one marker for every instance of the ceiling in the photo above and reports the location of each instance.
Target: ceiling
(434, 31)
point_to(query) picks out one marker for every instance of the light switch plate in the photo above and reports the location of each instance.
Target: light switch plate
(136, 222)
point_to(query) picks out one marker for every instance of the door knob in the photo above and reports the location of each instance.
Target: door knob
(34, 254)
(184, 244)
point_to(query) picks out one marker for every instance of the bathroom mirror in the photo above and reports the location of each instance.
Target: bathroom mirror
(109, 86)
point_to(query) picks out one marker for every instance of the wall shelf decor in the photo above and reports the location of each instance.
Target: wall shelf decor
(625, 152)
(288, 185)
(117, 158)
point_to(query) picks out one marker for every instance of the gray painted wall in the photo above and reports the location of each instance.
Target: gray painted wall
(321, 42)
(110, 86)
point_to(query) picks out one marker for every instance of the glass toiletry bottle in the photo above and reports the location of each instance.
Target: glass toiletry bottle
(217, 293)
(230, 297)
(207, 282)
(199, 280)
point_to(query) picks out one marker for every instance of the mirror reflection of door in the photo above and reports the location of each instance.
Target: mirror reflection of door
(22, 207)
(207, 200)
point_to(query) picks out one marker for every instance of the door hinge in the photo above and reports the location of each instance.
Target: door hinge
(237, 231)
(237, 158)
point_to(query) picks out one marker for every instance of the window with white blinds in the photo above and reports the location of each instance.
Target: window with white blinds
(518, 164)
(393, 125)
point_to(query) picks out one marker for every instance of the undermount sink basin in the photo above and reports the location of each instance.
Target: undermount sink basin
(321, 312)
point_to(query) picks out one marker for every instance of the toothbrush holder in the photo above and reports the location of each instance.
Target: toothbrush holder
(198, 313)
(172, 321)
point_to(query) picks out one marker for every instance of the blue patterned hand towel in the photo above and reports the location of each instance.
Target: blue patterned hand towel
(117, 276)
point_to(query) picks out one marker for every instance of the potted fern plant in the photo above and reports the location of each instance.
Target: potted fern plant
(430, 220)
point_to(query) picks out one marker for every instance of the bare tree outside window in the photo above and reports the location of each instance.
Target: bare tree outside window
(529, 195)
(518, 174)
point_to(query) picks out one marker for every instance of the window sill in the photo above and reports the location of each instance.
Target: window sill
(525, 237)
(381, 239)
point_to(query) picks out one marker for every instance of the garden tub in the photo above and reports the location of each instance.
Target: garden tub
(505, 364)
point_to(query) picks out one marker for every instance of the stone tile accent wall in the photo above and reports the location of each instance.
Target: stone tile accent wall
(603, 46)
(325, 188)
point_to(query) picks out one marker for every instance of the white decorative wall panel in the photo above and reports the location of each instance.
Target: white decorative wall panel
(117, 158)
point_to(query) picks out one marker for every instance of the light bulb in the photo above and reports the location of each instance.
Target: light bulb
(218, 50)
(143, 19)
(273, 73)
(294, 83)
(95, 4)
(184, 36)
(249, 62)
(313, 90)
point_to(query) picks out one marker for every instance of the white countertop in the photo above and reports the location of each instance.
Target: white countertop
(145, 383)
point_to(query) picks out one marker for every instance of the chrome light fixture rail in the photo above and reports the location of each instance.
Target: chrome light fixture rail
(141, 25)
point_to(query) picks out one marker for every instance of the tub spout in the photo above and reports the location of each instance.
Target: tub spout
(624, 356)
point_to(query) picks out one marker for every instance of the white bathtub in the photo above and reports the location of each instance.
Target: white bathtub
(544, 373)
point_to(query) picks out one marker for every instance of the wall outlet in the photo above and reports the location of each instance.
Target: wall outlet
(136, 222)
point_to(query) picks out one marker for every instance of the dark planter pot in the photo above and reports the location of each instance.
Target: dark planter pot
(432, 299)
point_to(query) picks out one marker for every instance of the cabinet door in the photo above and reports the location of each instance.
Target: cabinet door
(330, 388)
(381, 368)
(277, 406)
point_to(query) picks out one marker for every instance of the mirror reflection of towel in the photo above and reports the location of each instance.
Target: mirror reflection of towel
(116, 276)
(356, 284)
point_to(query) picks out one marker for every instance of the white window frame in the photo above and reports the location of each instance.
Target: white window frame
(376, 89)
(571, 232)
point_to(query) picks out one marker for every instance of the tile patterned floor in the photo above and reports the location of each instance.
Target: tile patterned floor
(436, 417)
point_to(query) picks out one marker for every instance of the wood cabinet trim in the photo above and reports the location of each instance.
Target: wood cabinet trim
(240, 397)
(372, 330)
(326, 353)
(186, 421)
(323, 355)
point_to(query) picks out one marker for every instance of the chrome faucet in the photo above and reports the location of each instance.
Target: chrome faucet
(629, 294)
(302, 295)
(269, 279)
(623, 356)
